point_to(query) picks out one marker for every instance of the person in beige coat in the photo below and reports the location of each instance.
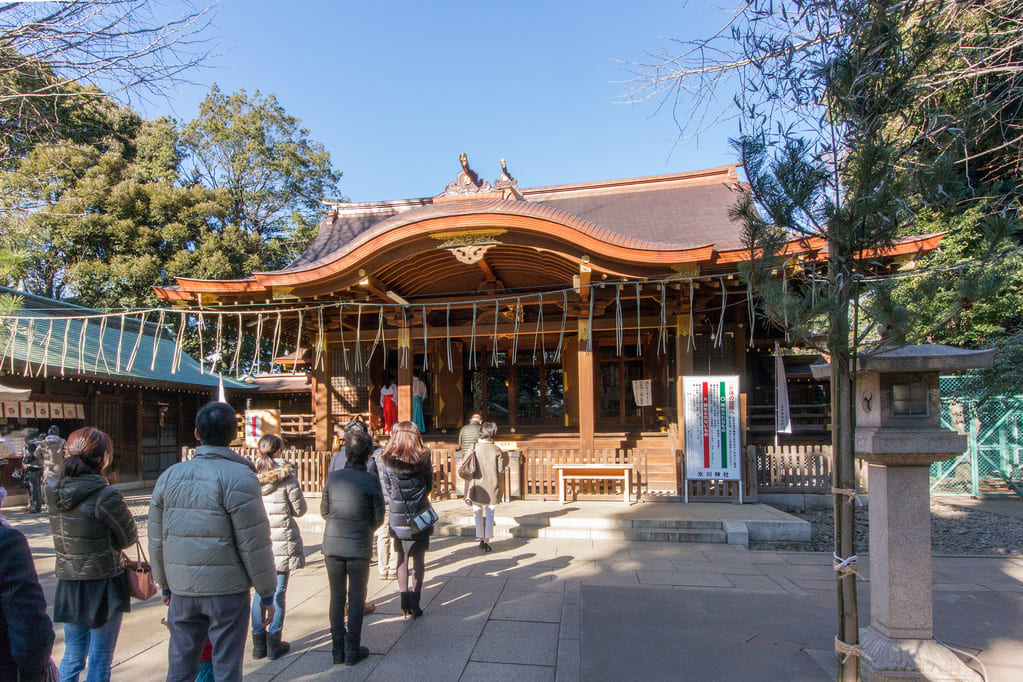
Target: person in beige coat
(484, 493)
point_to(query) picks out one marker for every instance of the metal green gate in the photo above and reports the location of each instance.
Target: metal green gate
(993, 461)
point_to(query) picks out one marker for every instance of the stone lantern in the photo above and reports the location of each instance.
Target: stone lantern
(899, 433)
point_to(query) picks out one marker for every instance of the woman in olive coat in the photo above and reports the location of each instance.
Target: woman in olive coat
(91, 524)
(485, 492)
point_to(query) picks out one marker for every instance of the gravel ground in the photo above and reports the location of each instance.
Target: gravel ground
(954, 530)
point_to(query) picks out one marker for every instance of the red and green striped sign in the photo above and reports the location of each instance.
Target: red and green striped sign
(712, 428)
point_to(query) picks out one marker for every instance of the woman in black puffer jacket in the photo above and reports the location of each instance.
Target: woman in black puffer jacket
(408, 480)
(91, 524)
(353, 508)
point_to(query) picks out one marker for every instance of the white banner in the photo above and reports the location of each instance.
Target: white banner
(642, 392)
(782, 417)
(713, 441)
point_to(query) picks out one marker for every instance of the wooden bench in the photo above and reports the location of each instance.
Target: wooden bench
(596, 471)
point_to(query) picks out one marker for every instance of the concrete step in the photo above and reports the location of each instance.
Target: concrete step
(704, 535)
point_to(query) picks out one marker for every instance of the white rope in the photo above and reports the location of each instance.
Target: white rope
(257, 346)
(321, 341)
(176, 357)
(237, 350)
(341, 326)
(376, 341)
(275, 347)
(218, 343)
(493, 350)
(561, 334)
(426, 343)
(662, 341)
(619, 322)
(539, 329)
(63, 348)
(845, 566)
(692, 300)
(156, 340)
(447, 329)
(138, 342)
(639, 323)
(721, 320)
(358, 336)
(120, 340)
(201, 326)
(99, 346)
(589, 324)
(29, 338)
(515, 334)
(81, 346)
(472, 341)
(298, 339)
(46, 351)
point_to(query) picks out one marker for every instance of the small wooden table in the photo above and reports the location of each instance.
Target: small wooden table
(597, 471)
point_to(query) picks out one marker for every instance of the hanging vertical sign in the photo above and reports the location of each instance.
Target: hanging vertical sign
(712, 428)
(782, 416)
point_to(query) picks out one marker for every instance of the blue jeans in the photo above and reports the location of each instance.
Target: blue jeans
(97, 643)
(277, 624)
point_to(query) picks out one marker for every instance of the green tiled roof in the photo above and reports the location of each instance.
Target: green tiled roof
(49, 335)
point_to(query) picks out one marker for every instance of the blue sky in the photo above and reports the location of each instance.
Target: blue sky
(397, 90)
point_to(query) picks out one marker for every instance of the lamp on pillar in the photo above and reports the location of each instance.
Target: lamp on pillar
(899, 433)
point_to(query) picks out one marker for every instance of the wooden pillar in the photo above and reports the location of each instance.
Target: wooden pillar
(684, 366)
(404, 376)
(323, 423)
(684, 362)
(587, 397)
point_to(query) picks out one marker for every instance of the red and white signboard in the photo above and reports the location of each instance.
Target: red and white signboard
(713, 446)
(258, 423)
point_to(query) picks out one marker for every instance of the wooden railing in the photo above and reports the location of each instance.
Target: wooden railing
(540, 479)
(799, 469)
(786, 469)
(808, 421)
(310, 465)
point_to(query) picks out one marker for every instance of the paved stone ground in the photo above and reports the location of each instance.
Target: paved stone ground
(569, 609)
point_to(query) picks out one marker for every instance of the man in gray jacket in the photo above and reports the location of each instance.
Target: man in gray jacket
(209, 542)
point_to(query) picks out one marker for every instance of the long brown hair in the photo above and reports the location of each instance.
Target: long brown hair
(89, 451)
(268, 446)
(405, 444)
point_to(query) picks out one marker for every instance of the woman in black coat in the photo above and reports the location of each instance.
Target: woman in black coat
(353, 508)
(408, 479)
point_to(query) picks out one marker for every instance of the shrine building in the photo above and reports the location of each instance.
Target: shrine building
(567, 314)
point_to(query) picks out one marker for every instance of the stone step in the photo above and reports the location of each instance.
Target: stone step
(704, 535)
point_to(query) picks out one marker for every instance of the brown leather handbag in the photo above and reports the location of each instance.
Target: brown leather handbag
(141, 584)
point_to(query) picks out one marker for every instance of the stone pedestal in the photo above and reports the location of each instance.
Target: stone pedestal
(909, 660)
(899, 433)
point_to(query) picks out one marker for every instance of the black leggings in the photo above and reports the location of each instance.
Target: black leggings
(418, 559)
(347, 579)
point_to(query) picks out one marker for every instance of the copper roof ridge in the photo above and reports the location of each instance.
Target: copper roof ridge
(511, 207)
(727, 173)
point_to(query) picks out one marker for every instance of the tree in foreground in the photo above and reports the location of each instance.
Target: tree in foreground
(846, 137)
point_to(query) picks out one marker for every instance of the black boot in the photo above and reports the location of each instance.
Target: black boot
(353, 652)
(406, 610)
(259, 646)
(414, 604)
(275, 648)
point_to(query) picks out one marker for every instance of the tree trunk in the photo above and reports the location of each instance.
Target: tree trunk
(843, 427)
